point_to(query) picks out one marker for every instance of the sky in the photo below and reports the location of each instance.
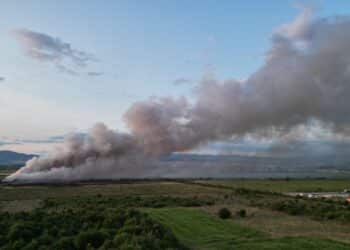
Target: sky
(100, 57)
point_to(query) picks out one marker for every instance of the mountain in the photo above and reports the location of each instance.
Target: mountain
(14, 158)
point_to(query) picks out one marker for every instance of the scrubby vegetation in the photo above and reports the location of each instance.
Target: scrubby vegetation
(315, 208)
(241, 213)
(167, 215)
(224, 213)
(94, 202)
(84, 229)
(318, 208)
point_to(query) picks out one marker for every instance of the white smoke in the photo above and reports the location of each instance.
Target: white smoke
(305, 77)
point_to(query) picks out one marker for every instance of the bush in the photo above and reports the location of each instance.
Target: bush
(33, 245)
(224, 213)
(21, 230)
(92, 238)
(321, 209)
(242, 213)
(66, 243)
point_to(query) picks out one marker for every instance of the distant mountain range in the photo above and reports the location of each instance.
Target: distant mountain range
(13, 158)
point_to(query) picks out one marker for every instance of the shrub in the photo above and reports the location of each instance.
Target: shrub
(33, 245)
(224, 213)
(92, 238)
(242, 213)
(84, 229)
(21, 230)
(66, 243)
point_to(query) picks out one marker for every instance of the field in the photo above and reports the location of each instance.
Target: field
(199, 230)
(283, 186)
(5, 172)
(175, 214)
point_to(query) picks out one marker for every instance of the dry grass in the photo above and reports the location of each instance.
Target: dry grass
(279, 224)
(294, 185)
(19, 205)
(8, 193)
(5, 172)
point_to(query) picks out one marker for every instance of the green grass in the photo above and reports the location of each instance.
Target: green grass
(199, 230)
(278, 224)
(294, 185)
(292, 243)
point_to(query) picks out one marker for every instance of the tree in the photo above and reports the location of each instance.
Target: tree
(224, 213)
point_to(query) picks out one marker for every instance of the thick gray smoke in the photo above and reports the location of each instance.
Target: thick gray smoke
(88, 157)
(305, 77)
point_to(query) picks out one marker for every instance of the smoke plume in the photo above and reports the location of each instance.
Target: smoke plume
(305, 77)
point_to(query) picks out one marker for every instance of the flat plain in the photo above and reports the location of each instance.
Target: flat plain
(188, 209)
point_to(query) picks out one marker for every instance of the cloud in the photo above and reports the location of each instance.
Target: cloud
(35, 117)
(46, 48)
(64, 69)
(30, 148)
(181, 81)
(19, 141)
(92, 73)
(2, 79)
(6, 142)
(35, 146)
(51, 139)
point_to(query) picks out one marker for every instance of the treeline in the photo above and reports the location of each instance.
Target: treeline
(83, 229)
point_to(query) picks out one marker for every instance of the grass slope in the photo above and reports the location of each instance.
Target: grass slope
(199, 230)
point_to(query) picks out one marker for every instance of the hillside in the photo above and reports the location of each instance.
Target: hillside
(13, 158)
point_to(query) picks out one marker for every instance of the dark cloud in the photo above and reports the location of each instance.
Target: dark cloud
(46, 48)
(181, 81)
(92, 73)
(2, 79)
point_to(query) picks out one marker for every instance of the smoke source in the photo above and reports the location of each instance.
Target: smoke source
(305, 77)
